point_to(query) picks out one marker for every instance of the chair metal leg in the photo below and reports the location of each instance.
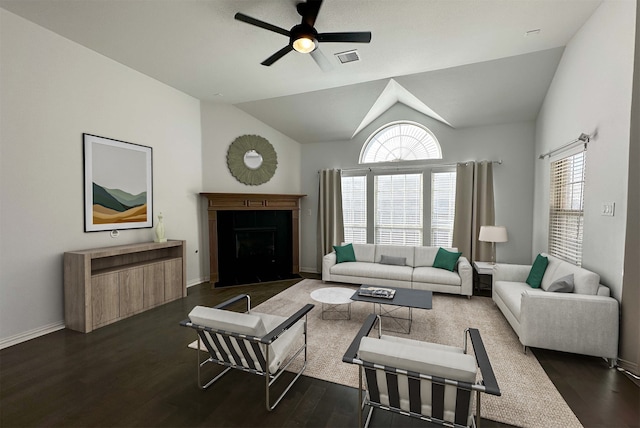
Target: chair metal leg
(202, 363)
(477, 409)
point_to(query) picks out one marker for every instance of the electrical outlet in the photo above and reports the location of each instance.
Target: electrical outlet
(608, 209)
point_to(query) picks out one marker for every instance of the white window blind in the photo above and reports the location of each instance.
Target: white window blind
(354, 209)
(398, 202)
(566, 208)
(443, 208)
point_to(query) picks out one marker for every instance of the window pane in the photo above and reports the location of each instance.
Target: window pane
(401, 141)
(354, 209)
(443, 207)
(398, 201)
(566, 220)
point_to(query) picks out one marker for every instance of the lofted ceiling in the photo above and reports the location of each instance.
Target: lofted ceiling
(463, 62)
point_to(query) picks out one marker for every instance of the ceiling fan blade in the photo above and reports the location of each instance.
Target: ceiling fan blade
(321, 60)
(309, 11)
(276, 56)
(353, 37)
(249, 20)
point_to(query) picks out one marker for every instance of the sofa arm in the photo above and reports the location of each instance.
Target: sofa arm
(569, 322)
(328, 261)
(466, 276)
(510, 272)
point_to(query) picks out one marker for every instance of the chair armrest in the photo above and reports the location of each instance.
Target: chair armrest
(328, 261)
(570, 322)
(352, 352)
(466, 276)
(510, 272)
(276, 332)
(234, 300)
(488, 377)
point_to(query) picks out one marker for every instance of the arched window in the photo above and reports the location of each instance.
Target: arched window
(400, 141)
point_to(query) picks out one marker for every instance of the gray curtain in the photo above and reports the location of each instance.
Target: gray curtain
(474, 208)
(330, 223)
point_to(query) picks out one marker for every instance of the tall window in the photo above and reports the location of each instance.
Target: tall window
(443, 207)
(354, 208)
(398, 200)
(394, 208)
(566, 211)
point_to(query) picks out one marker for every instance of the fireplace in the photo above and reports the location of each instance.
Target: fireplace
(252, 237)
(254, 246)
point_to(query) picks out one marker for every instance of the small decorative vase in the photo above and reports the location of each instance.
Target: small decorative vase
(160, 230)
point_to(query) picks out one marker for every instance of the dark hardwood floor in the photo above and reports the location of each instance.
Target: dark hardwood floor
(138, 372)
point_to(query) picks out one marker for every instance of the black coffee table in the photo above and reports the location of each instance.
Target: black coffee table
(403, 298)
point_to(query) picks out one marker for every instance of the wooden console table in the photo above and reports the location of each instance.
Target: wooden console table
(105, 285)
(248, 202)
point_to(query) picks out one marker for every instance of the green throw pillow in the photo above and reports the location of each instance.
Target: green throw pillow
(446, 259)
(537, 271)
(345, 253)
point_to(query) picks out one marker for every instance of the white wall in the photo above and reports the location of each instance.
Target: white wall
(52, 90)
(591, 93)
(513, 180)
(221, 125)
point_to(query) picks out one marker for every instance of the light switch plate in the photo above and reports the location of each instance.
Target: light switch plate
(608, 209)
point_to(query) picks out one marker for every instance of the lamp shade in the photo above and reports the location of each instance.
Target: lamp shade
(493, 234)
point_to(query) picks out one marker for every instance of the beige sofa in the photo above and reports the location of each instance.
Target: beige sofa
(583, 322)
(417, 272)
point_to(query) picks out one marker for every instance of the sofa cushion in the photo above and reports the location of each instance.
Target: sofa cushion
(562, 285)
(373, 270)
(436, 276)
(390, 260)
(424, 256)
(344, 253)
(584, 281)
(537, 271)
(365, 252)
(511, 294)
(446, 259)
(395, 251)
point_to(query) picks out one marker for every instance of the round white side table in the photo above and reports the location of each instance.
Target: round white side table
(332, 298)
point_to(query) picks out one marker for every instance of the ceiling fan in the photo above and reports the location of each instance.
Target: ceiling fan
(303, 37)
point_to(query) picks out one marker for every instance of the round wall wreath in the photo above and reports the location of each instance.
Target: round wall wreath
(252, 147)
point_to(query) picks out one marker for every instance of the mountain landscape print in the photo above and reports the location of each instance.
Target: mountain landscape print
(118, 206)
(117, 185)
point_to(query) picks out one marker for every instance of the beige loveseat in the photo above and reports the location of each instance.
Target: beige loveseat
(584, 321)
(417, 272)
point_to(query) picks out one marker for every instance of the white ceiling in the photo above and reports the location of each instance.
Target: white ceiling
(468, 61)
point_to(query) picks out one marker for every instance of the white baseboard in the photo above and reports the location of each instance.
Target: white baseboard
(308, 269)
(629, 366)
(31, 334)
(197, 281)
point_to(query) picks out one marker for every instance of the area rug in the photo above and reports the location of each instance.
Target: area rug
(529, 398)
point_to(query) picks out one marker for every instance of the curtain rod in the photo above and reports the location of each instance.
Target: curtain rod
(583, 138)
(392, 167)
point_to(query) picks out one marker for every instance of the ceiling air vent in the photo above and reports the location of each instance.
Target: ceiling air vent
(348, 56)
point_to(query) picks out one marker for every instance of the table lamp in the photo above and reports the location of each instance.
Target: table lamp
(493, 234)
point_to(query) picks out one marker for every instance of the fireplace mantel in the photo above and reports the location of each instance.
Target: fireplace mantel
(250, 202)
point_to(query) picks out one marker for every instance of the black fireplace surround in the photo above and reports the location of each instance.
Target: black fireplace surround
(254, 246)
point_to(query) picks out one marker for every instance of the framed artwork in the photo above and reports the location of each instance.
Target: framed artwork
(118, 185)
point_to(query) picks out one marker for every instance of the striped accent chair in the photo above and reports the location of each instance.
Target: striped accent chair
(421, 380)
(253, 342)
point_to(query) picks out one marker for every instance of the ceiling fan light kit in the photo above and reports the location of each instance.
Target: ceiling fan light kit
(303, 37)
